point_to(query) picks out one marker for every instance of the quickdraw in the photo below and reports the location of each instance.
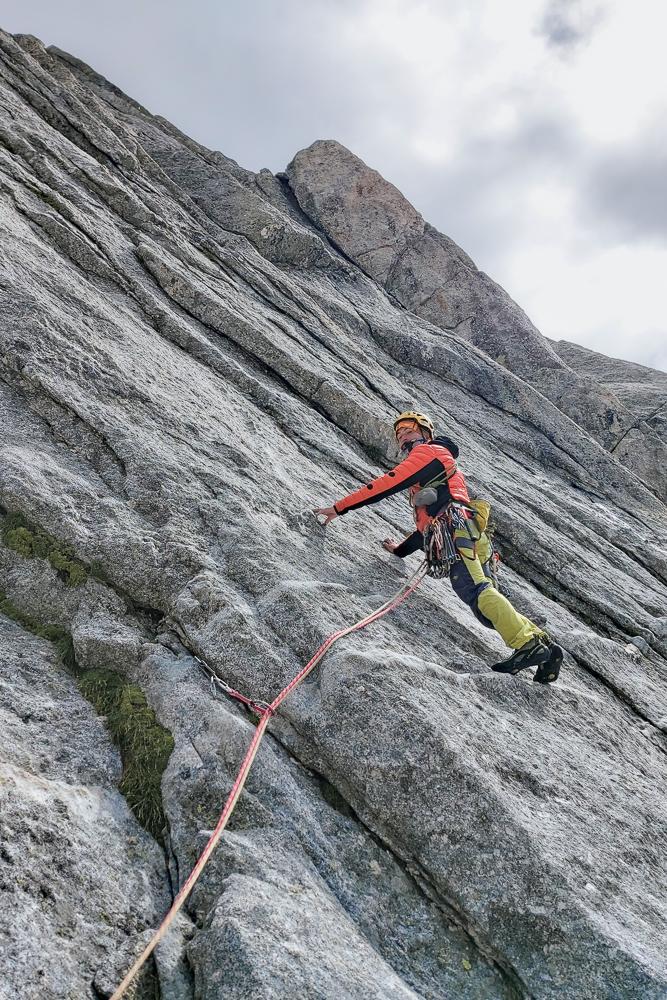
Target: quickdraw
(216, 682)
(442, 551)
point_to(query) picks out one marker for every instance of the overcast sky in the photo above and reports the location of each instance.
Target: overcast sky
(533, 132)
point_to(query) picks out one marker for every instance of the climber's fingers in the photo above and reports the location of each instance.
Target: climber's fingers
(328, 513)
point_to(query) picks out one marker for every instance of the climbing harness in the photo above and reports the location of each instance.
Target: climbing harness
(266, 711)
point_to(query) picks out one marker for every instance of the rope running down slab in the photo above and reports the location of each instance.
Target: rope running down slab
(408, 587)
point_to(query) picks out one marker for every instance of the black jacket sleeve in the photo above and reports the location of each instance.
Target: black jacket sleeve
(409, 545)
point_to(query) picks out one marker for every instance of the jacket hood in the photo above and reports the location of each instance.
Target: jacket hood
(447, 443)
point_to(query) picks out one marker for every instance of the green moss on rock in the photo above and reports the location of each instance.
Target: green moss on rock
(20, 540)
(99, 572)
(54, 633)
(33, 542)
(144, 744)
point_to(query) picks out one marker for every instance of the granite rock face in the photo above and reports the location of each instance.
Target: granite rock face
(77, 872)
(643, 390)
(376, 227)
(191, 358)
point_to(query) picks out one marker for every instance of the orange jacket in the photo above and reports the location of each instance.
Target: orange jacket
(424, 463)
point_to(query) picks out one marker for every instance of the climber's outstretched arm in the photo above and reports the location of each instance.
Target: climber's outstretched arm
(419, 465)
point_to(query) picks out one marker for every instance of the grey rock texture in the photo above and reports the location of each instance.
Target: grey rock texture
(370, 221)
(177, 391)
(78, 875)
(643, 390)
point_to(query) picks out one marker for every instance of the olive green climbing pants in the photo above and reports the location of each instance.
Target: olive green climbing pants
(472, 582)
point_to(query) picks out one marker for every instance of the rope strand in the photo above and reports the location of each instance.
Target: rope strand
(408, 587)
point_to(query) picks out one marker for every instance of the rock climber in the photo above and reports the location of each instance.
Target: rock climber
(437, 487)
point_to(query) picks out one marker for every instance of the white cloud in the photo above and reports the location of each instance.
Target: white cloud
(567, 24)
(550, 171)
(603, 294)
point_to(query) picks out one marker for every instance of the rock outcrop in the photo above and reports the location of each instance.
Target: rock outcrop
(643, 390)
(78, 874)
(426, 272)
(191, 358)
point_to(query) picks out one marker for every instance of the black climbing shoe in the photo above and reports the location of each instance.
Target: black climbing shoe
(548, 672)
(535, 653)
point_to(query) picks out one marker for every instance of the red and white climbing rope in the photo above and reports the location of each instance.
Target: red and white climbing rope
(266, 712)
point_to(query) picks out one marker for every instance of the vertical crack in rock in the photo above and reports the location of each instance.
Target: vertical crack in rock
(71, 856)
(516, 989)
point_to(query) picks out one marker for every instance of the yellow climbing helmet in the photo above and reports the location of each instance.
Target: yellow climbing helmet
(418, 418)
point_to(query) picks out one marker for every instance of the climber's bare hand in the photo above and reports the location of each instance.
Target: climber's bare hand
(328, 513)
(389, 544)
